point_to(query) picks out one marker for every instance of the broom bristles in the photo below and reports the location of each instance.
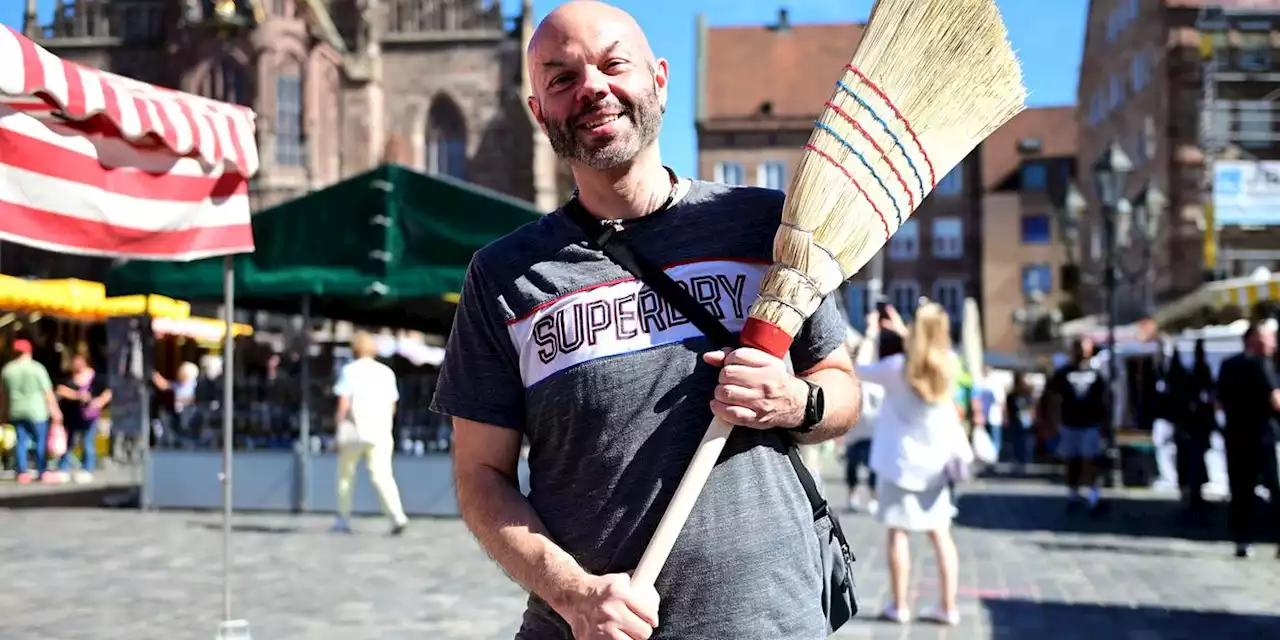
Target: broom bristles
(930, 80)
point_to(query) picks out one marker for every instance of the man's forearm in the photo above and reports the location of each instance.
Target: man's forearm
(512, 533)
(843, 404)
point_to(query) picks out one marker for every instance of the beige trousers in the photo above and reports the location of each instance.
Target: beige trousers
(377, 459)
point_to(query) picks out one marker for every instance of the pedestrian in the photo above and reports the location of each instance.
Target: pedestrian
(1020, 405)
(1077, 398)
(1195, 436)
(31, 407)
(1250, 395)
(85, 395)
(614, 389)
(917, 437)
(858, 440)
(991, 407)
(367, 395)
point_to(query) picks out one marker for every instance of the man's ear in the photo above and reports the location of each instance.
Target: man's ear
(536, 109)
(661, 69)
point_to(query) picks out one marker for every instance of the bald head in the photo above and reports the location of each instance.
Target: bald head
(571, 24)
(598, 91)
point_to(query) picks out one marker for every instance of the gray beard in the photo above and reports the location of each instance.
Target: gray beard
(646, 120)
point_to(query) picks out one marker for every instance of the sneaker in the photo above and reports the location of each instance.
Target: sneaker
(398, 528)
(52, 477)
(936, 614)
(1244, 551)
(82, 477)
(854, 505)
(341, 525)
(26, 477)
(894, 614)
(873, 507)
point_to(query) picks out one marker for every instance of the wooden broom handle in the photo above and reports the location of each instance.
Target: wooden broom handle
(695, 477)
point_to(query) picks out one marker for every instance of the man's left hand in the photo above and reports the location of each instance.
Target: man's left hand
(756, 390)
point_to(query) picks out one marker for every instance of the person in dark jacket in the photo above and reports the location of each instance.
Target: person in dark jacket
(1249, 392)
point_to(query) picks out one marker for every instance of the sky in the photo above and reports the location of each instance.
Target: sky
(1048, 36)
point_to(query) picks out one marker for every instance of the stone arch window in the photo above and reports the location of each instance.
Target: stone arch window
(289, 134)
(227, 80)
(446, 139)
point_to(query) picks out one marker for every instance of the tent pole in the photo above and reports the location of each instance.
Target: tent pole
(228, 396)
(304, 427)
(145, 344)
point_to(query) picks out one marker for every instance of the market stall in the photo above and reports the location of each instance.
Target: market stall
(93, 163)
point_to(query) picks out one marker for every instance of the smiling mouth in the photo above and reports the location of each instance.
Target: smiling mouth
(599, 121)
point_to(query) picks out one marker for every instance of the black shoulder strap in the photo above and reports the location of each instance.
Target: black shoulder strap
(606, 235)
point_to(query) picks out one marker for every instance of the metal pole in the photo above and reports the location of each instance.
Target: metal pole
(228, 396)
(875, 278)
(304, 426)
(148, 366)
(1113, 306)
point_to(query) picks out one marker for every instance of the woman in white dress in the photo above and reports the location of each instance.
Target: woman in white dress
(918, 437)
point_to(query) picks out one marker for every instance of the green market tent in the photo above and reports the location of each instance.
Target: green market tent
(389, 247)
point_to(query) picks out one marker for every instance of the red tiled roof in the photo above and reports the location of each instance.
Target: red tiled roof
(1055, 127)
(793, 69)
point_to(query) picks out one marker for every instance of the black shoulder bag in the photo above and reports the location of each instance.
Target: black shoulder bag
(838, 599)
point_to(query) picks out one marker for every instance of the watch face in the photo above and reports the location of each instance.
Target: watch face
(819, 404)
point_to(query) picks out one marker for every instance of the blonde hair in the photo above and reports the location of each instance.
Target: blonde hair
(363, 345)
(929, 368)
(188, 371)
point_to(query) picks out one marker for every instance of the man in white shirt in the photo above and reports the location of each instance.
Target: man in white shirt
(991, 398)
(367, 397)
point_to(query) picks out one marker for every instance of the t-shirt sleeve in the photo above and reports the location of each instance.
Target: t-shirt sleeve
(343, 386)
(46, 384)
(820, 336)
(480, 376)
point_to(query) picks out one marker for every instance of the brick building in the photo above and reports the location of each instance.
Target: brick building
(1147, 83)
(759, 90)
(335, 82)
(1026, 165)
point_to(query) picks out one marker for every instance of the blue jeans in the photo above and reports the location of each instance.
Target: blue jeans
(1024, 446)
(36, 435)
(88, 442)
(858, 455)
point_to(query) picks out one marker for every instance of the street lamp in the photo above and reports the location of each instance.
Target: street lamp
(1111, 177)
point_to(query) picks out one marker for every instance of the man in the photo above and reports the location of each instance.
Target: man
(1250, 397)
(990, 407)
(30, 406)
(614, 389)
(367, 396)
(1077, 399)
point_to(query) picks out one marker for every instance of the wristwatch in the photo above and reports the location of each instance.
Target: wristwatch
(814, 408)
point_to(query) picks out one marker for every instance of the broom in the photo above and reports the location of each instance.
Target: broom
(929, 81)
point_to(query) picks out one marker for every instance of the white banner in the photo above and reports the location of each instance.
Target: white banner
(1246, 193)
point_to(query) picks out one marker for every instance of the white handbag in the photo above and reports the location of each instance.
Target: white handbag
(984, 448)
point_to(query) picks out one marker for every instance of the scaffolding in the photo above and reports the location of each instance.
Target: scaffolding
(1231, 127)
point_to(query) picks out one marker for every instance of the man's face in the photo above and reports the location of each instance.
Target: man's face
(597, 92)
(1267, 341)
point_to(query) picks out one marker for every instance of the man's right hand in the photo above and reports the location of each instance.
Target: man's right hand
(609, 607)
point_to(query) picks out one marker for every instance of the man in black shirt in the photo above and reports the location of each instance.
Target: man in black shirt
(1077, 402)
(1250, 398)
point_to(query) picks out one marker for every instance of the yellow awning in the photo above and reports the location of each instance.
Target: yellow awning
(81, 300)
(208, 330)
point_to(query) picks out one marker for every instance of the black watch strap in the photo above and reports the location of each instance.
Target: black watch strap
(811, 409)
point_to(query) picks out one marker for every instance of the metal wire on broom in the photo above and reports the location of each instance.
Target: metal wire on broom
(929, 81)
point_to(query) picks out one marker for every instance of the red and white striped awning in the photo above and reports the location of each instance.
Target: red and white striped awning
(98, 164)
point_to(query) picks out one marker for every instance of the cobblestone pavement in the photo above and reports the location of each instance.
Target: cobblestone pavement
(1029, 570)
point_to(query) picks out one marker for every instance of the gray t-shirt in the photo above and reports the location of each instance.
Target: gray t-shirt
(606, 380)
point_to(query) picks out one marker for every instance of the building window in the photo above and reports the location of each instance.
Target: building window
(1117, 92)
(948, 237)
(857, 304)
(288, 124)
(953, 183)
(1037, 277)
(227, 82)
(772, 175)
(1254, 51)
(446, 139)
(730, 173)
(1037, 228)
(905, 243)
(904, 295)
(1255, 122)
(1035, 176)
(1139, 72)
(949, 293)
